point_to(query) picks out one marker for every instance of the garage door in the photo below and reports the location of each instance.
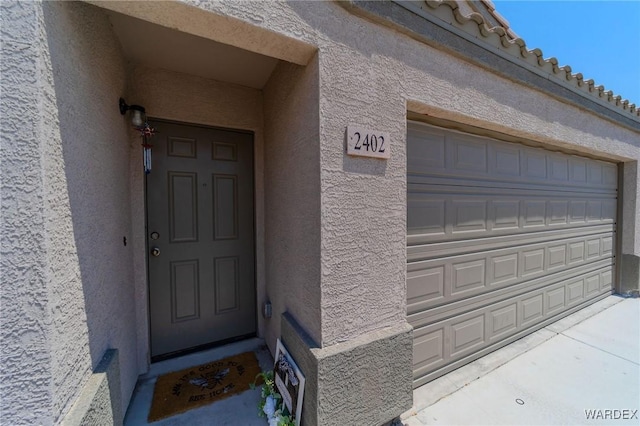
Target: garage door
(502, 239)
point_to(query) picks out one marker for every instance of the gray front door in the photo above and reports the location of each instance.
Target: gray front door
(200, 237)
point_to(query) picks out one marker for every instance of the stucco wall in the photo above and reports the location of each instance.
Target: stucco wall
(292, 197)
(25, 375)
(87, 160)
(371, 75)
(631, 208)
(73, 290)
(362, 284)
(335, 225)
(363, 200)
(629, 261)
(174, 96)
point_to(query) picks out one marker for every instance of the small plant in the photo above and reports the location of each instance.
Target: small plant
(270, 405)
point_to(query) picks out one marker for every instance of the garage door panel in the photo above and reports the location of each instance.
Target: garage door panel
(425, 285)
(420, 252)
(467, 335)
(426, 375)
(429, 216)
(558, 212)
(532, 262)
(502, 321)
(467, 215)
(534, 164)
(490, 159)
(446, 217)
(437, 345)
(426, 155)
(592, 284)
(558, 168)
(505, 215)
(531, 310)
(554, 301)
(505, 161)
(466, 277)
(608, 210)
(575, 292)
(606, 280)
(428, 349)
(610, 175)
(432, 311)
(503, 269)
(593, 248)
(607, 244)
(578, 170)
(534, 213)
(501, 238)
(576, 252)
(578, 211)
(466, 155)
(470, 274)
(543, 187)
(594, 210)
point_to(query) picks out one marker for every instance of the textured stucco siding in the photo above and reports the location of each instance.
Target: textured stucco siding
(363, 200)
(25, 358)
(362, 285)
(86, 178)
(99, 402)
(628, 211)
(330, 229)
(631, 207)
(185, 98)
(76, 202)
(292, 197)
(365, 381)
(369, 73)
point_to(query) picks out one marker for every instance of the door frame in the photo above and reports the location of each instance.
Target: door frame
(257, 332)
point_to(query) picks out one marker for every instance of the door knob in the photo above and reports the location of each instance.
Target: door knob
(155, 252)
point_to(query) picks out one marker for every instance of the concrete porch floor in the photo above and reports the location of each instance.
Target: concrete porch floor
(589, 360)
(240, 409)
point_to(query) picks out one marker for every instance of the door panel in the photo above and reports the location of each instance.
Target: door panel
(200, 204)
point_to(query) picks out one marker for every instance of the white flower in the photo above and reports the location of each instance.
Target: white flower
(270, 408)
(273, 421)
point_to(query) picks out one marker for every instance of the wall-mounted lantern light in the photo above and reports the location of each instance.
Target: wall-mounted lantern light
(138, 116)
(139, 121)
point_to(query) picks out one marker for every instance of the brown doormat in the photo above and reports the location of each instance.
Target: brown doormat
(201, 385)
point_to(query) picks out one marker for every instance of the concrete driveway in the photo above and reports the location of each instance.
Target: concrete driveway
(583, 369)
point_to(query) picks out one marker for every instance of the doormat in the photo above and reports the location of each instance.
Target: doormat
(201, 385)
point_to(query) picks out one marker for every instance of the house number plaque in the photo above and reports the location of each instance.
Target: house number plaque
(365, 142)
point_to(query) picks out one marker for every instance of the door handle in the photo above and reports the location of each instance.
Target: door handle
(155, 252)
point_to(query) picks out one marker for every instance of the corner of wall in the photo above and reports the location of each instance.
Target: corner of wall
(629, 224)
(292, 196)
(364, 398)
(100, 401)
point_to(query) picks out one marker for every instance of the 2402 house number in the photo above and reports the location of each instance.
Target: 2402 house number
(367, 143)
(364, 143)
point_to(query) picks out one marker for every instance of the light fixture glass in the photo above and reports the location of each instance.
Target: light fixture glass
(137, 117)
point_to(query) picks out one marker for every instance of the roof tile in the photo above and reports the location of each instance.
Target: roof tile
(505, 39)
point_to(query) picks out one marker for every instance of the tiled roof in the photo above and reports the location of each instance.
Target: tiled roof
(506, 40)
(491, 9)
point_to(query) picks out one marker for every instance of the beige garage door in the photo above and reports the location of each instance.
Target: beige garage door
(502, 239)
